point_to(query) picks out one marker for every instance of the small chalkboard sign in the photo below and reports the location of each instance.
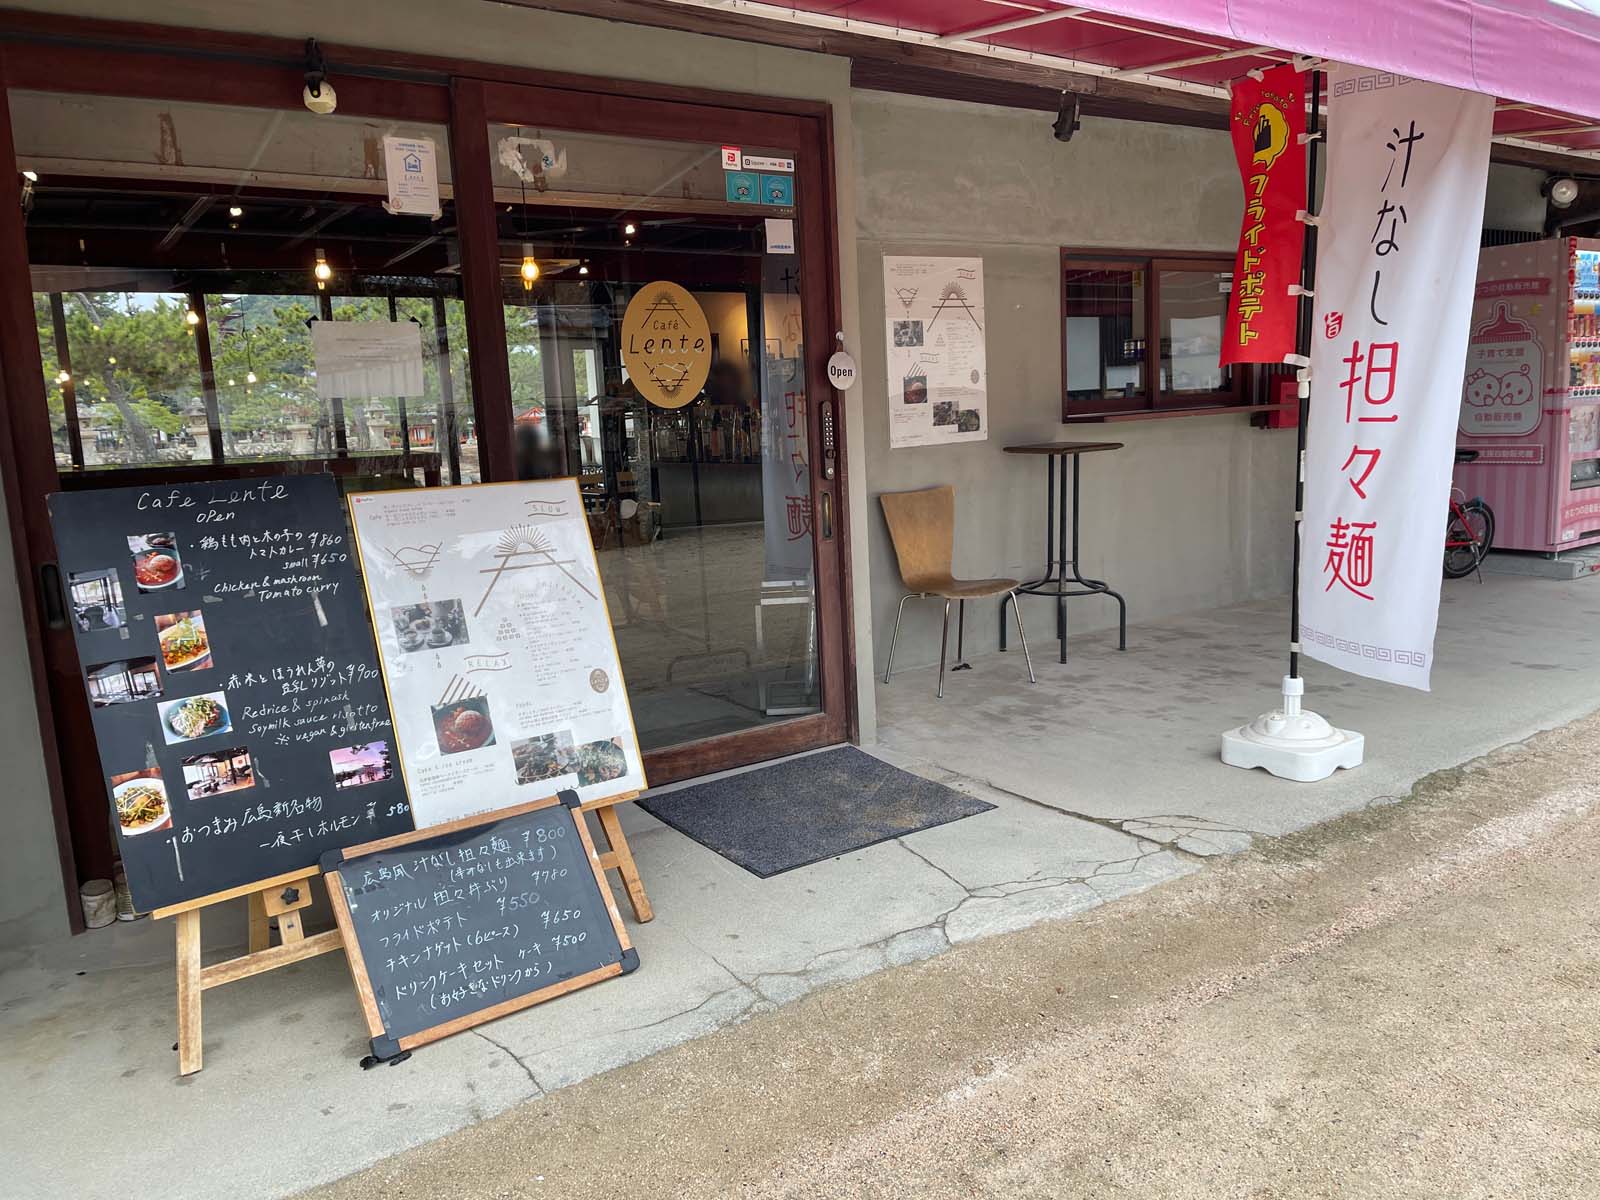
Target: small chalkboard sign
(459, 924)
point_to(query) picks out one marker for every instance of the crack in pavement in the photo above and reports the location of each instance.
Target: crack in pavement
(516, 1058)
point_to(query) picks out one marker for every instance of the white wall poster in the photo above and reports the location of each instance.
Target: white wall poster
(1396, 267)
(363, 360)
(496, 646)
(938, 373)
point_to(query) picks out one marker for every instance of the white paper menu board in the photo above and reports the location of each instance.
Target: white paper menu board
(938, 360)
(496, 646)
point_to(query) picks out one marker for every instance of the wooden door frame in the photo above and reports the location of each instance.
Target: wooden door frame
(44, 52)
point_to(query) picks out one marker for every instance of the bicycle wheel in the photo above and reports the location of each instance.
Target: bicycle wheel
(1472, 532)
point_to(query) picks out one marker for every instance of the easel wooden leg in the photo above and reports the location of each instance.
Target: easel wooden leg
(260, 924)
(189, 988)
(619, 856)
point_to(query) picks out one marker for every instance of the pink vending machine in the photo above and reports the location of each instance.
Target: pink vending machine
(1531, 398)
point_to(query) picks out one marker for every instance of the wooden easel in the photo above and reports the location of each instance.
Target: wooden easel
(617, 857)
(282, 896)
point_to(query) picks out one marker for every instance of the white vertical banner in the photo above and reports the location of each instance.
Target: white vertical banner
(1397, 259)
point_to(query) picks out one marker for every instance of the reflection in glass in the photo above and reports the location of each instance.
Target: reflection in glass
(700, 514)
(1193, 307)
(1105, 334)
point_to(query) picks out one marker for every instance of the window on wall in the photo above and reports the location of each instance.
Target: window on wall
(1143, 333)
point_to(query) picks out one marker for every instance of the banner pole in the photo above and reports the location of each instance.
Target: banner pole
(1290, 741)
(1308, 278)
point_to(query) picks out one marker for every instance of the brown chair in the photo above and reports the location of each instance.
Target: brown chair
(922, 526)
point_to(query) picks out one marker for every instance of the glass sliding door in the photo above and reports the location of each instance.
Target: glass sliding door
(696, 464)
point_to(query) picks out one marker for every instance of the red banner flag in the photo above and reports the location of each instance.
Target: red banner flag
(1267, 118)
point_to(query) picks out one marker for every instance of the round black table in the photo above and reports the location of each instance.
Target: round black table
(1055, 581)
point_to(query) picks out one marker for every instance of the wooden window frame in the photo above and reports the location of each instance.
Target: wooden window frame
(1151, 402)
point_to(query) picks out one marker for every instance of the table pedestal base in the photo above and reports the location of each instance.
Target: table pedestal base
(1291, 743)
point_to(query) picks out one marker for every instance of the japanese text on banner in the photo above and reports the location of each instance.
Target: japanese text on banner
(1407, 166)
(1267, 118)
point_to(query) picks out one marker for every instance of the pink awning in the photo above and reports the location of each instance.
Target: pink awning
(1535, 51)
(1541, 58)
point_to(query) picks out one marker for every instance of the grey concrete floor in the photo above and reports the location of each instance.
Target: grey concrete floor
(1396, 1005)
(1106, 780)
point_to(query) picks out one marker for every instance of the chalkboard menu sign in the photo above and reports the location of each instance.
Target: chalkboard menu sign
(238, 708)
(458, 924)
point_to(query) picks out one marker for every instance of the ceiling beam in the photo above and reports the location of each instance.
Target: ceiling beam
(978, 32)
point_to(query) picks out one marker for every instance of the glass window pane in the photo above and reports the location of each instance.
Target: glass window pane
(1193, 306)
(198, 245)
(1105, 334)
(701, 513)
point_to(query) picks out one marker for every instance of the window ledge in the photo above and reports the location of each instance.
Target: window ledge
(1162, 414)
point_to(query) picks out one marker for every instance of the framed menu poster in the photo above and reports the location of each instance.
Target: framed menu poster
(238, 708)
(496, 645)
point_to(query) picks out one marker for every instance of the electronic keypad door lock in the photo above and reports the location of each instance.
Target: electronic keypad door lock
(830, 440)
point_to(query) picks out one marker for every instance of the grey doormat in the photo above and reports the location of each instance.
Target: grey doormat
(808, 809)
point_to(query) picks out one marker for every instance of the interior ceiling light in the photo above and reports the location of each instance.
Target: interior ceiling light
(318, 95)
(1563, 192)
(62, 376)
(322, 271)
(583, 269)
(630, 229)
(192, 317)
(31, 176)
(235, 211)
(529, 269)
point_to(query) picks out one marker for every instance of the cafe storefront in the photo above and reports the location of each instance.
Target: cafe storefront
(179, 220)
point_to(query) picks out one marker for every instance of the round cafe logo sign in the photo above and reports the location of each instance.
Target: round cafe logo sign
(666, 344)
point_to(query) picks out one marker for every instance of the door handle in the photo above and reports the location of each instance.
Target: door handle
(51, 600)
(825, 515)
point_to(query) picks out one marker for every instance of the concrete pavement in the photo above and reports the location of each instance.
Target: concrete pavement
(1400, 1003)
(1106, 783)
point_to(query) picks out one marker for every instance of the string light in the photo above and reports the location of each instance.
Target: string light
(322, 271)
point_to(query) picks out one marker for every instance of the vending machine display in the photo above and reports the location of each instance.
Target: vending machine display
(1530, 400)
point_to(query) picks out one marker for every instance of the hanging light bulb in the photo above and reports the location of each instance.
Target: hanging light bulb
(235, 211)
(322, 271)
(62, 376)
(112, 359)
(530, 267)
(630, 229)
(232, 383)
(249, 376)
(583, 269)
(191, 317)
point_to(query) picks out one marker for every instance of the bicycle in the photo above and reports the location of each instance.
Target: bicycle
(1469, 532)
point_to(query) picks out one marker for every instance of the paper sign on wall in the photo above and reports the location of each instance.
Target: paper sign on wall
(496, 646)
(360, 360)
(938, 370)
(780, 235)
(411, 169)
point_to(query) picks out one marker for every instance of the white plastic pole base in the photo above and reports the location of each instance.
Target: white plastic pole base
(1291, 743)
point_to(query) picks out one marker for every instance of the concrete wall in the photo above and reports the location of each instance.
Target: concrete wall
(30, 900)
(1195, 512)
